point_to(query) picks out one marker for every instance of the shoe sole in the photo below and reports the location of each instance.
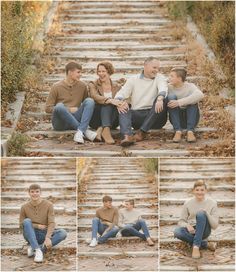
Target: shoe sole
(127, 144)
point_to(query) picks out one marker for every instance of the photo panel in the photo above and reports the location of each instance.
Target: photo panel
(41, 195)
(182, 205)
(104, 244)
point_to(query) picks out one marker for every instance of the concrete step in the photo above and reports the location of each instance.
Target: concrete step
(126, 254)
(186, 187)
(211, 267)
(97, 205)
(35, 178)
(210, 183)
(19, 186)
(178, 201)
(197, 161)
(12, 196)
(34, 161)
(222, 233)
(195, 176)
(44, 172)
(225, 211)
(197, 168)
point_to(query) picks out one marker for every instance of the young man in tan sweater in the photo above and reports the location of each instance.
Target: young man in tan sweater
(38, 224)
(70, 105)
(183, 98)
(131, 222)
(105, 223)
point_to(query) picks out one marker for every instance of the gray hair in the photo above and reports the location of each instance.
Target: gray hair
(149, 59)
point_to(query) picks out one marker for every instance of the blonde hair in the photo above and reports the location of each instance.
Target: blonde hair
(199, 183)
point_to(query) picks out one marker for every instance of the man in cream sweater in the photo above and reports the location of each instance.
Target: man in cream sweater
(183, 107)
(38, 223)
(131, 222)
(147, 94)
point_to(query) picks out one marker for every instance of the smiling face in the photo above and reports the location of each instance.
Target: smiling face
(200, 192)
(103, 73)
(151, 68)
(35, 194)
(107, 204)
(128, 205)
(74, 74)
(174, 79)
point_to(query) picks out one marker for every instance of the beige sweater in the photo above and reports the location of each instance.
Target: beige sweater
(128, 217)
(192, 206)
(42, 213)
(143, 91)
(188, 94)
(70, 96)
(108, 215)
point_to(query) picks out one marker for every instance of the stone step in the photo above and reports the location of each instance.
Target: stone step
(195, 176)
(119, 192)
(41, 166)
(37, 172)
(222, 233)
(117, 201)
(93, 189)
(97, 205)
(196, 161)
(217, 195)
(107, 11)
(131, 16)
(119, 182)
(186, 187)
(200, 268)
(46, 187)
(126, 254)
(16, 241)
(57, 209)
(178, 201)
(92, 4)
(35, 178)
(225, 211)
(188, 184)
(220, 242)
(145, 215)
(196, 169)
(12, 196)
(41, 162)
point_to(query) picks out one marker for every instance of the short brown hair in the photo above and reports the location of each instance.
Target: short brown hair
(108, 66)
(180, 72)
(106, 198)
(199, 183)
(71, 66)
(131, 201)
(34, 187)
(149, 59)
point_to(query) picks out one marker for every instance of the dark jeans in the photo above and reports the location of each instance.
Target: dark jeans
(105, 116)
(184, 118)
(143, 119)
(202, 231)
(134, 230)
(62, 119)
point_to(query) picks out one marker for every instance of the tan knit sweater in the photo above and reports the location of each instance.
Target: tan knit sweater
(70, 96)
(109, 215)
(42, 213)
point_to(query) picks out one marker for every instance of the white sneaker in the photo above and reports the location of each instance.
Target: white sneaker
(38, 255)
(79, 137)
(93, 243)
(30, 251)
(91, 135)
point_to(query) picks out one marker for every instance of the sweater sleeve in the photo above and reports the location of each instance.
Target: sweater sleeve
(51, 100)
(162, 86)
(213, 217)
(115, 217)
(51, 222)
(183, 221)
(126, 91)
(22, 217)
(100, 99)
(195, 96)
(121, 220)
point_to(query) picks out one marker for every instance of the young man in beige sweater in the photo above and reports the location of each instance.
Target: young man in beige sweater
(70, 105)
(183, 98)
(198, 217)
(105, 223)
(38, 223)
(131, 222)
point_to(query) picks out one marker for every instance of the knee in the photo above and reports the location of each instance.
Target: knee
(63, 234)
(201, 214)
(27, 221)
(178, 233)
(141, 221)
(172, 97)
(59, 107)
(89, 102)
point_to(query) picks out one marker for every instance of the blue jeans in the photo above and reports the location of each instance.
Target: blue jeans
(133, 229)
(184, 118)
(143, 119)
(62, 119)
(202, 231)
(99, 227)
(105, 116)
(36, 237)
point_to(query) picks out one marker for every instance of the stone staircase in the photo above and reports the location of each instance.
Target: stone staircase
(121, 179)
(57, 179)
(124, 32)
(176, 181)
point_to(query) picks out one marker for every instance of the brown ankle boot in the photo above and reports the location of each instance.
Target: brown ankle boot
(190, 137)
(106, 135)
(139, 136)
(196, 253)
(127, 141)
(177, 137)
(99, 134)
